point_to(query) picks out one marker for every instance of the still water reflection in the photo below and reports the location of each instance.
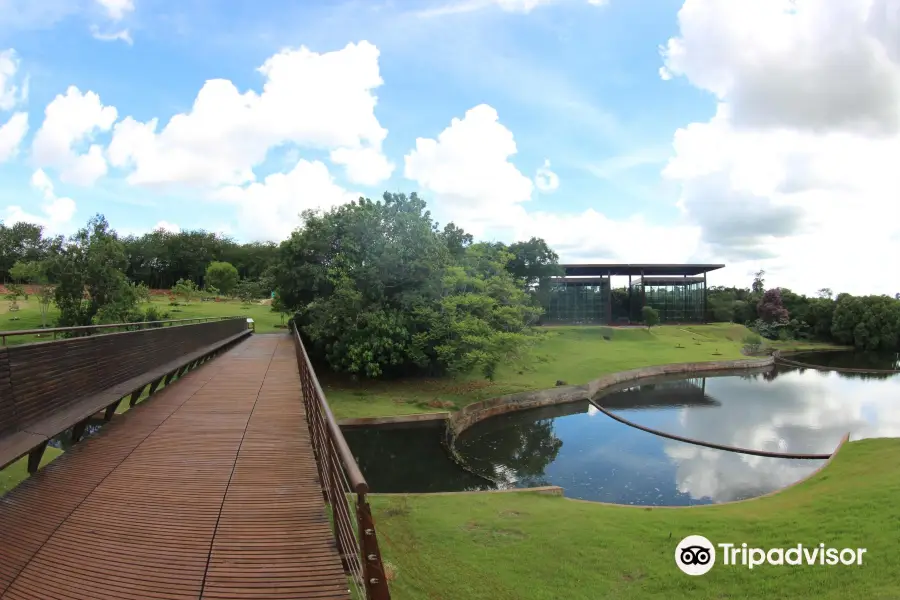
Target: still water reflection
(596, 458)
(849, 359)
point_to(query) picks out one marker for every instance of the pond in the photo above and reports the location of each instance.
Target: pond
(848, 359)
(597, 458)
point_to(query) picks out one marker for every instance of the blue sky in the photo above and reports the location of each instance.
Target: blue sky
(646, 165)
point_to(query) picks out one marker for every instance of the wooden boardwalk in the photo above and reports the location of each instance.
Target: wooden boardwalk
(207, 490)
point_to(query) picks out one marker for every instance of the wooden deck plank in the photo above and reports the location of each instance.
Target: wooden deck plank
(208, 490)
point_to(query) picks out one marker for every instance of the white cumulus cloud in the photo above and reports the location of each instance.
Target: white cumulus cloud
(56, 212)
(11, 135)
(71, 120)
(468, 173)
(795, 171)
(319, 101)
(271, 209)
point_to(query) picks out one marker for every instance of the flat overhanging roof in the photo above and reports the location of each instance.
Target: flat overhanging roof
(648, 270)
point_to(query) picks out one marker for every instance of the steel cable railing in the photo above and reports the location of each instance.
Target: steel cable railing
(344, 489)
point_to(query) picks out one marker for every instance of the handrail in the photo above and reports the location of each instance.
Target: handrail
(90, 328)
(340, 477)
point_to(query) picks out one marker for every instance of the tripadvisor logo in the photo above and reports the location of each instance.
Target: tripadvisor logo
(696, 555)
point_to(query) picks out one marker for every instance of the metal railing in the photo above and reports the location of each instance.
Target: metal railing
(342, 486)
(89, 329)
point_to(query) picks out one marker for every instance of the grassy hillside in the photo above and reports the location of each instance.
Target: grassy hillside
(574, 355)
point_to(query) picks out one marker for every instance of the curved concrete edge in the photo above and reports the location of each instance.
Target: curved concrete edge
(398, 419)
(555, 490)
(800, 364)
(546, 490)
(840, 445)
(479, 411)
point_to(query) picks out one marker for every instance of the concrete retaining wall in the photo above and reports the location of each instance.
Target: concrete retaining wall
(473, 413)
(395, 420)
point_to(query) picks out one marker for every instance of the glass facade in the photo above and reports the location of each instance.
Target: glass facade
(578, 302)
(591, 301)
(677, 300)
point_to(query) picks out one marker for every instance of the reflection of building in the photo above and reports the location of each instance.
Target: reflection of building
(585, 294)
(668, 394)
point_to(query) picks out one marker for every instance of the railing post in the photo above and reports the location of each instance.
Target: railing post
(370, 556)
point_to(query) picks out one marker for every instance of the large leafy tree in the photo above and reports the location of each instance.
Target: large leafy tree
(771, 307)
(867, 322)
(22, 242)
(90, 274)
(378, 290)
(533, 261)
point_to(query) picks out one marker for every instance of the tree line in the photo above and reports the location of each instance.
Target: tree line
(157, 259)
(379, 289)
(865, 322)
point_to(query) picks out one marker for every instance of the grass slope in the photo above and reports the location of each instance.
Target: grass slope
(528, 546)
(575, 355)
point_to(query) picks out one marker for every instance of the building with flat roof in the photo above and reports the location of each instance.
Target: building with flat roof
(585, 295)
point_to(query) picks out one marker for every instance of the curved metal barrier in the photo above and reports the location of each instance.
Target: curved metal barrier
(341, 479)
(695, 442)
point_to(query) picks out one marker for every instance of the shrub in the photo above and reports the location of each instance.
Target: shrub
(153, 314)
(752, 343)
(650, 316)
(768, 330)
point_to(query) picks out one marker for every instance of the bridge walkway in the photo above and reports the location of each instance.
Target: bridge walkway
(206, 490)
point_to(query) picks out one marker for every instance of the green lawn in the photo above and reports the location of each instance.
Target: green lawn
(29, 316)
(575, 355)
(17, 472)
(527, 546)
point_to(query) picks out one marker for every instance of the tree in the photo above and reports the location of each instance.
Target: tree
(759, 283)
(771, 308)
(825, 293)
(35, 273)
(650, 316)
(247, 290)
(185, 289)
(45, 295)
(223, 276)
(378, 290)
(533, 262)
(22, 242)
(89, 269)
(142, 293)
(279, 307)
(867, 322)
